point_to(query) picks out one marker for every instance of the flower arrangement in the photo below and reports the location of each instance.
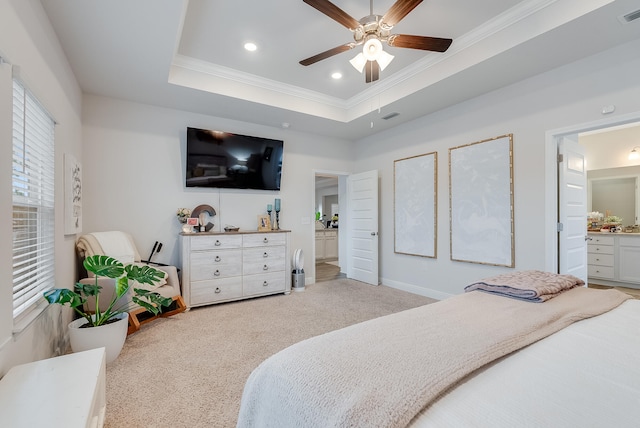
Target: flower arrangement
(613, 219)
(595, 216)
(183, 214)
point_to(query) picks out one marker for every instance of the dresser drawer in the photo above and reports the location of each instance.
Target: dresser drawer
(605, 272)
(600, 249)
(263, 239)
(264, 283)
(215, 264)
(601, 240)
(215, 290)
(215, 242)
(264, 265)
(601, 259)
(259, 256)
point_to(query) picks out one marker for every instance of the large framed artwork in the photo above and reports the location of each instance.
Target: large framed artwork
(415, 205)
(481, 202)
(72, 195)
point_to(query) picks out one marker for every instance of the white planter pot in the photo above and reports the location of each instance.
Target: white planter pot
(110, 336)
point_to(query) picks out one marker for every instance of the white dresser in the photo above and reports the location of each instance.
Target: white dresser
(221, 267)
(614, 259)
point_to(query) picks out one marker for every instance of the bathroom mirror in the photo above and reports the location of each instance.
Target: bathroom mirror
(616, 194)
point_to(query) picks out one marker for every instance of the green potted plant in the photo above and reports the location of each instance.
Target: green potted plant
(108, 327)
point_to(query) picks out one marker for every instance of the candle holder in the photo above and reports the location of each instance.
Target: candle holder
(269, 212)
(276, 224)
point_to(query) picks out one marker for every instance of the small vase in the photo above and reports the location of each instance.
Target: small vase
(109, 336)
(182, 219)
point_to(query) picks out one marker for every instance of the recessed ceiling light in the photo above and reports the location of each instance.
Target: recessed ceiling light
(250, 46)
(337, 75)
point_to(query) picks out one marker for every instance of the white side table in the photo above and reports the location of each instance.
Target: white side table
(61, 392)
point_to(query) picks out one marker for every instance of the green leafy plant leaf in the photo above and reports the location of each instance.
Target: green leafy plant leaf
(64, 296)
(104, 266)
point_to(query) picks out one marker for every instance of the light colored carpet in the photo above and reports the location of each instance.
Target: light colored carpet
(189, 370)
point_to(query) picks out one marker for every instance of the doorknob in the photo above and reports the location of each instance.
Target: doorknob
(588, 238)
(374, 233)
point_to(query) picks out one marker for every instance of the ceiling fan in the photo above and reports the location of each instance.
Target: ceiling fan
(370, 32)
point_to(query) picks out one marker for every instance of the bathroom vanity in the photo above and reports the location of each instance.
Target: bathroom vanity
(614, 259)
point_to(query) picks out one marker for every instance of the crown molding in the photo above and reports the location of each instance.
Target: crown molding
(524, 16)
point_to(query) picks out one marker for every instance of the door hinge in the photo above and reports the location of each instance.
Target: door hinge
(560, 158)
(560, 227)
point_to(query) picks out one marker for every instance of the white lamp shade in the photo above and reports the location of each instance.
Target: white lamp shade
(384, 59)
(358, 62)
(372, 49)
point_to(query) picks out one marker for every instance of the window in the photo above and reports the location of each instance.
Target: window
(33, 202)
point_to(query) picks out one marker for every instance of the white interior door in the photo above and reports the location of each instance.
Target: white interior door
(572, 208)
(362, 248)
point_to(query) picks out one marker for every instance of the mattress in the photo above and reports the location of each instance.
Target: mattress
(586, 375)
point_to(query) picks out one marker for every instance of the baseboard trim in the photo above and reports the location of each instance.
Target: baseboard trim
(422, 291)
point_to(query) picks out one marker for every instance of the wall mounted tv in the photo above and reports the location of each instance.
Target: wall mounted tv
(224, 160)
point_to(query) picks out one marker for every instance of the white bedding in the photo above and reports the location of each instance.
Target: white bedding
(384, 371)
(586, 375)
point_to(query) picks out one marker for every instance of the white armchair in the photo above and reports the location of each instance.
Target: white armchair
(120, 246)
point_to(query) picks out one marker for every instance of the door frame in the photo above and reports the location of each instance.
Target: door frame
(342, 177)
(552, 138)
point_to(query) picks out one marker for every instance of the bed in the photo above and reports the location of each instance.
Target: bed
(487, 358)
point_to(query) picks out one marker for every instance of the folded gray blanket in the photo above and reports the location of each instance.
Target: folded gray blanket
(529, 285)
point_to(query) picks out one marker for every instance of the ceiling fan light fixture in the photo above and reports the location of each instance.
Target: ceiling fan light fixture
(358, 62)
(371, 49)
(384, 59)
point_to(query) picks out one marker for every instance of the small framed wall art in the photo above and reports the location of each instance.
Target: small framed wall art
(264, 223)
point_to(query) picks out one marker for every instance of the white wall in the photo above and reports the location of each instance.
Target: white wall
(570, 95)
(611, 149)
(134, 175)
(28, 41)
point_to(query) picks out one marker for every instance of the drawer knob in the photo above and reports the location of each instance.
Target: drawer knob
(265, 254)
(264, 284)
(265, 240)
(265, 267)
(217, 290)
(217, 259)
(218, 243)
(216, 273)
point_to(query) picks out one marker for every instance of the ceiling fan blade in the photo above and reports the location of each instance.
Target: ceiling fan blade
(435, 44)
(399, 10)
(372, 71)
(334, 12)
(327, 54)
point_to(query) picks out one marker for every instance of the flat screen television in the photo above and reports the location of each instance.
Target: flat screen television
(224, 160)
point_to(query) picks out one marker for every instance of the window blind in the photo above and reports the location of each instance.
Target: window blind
(33, 201)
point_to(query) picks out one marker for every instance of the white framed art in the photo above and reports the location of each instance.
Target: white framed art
(481, 202)
(415, 205)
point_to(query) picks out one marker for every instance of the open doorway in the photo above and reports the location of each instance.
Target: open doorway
(327, 240)
(607, 145)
